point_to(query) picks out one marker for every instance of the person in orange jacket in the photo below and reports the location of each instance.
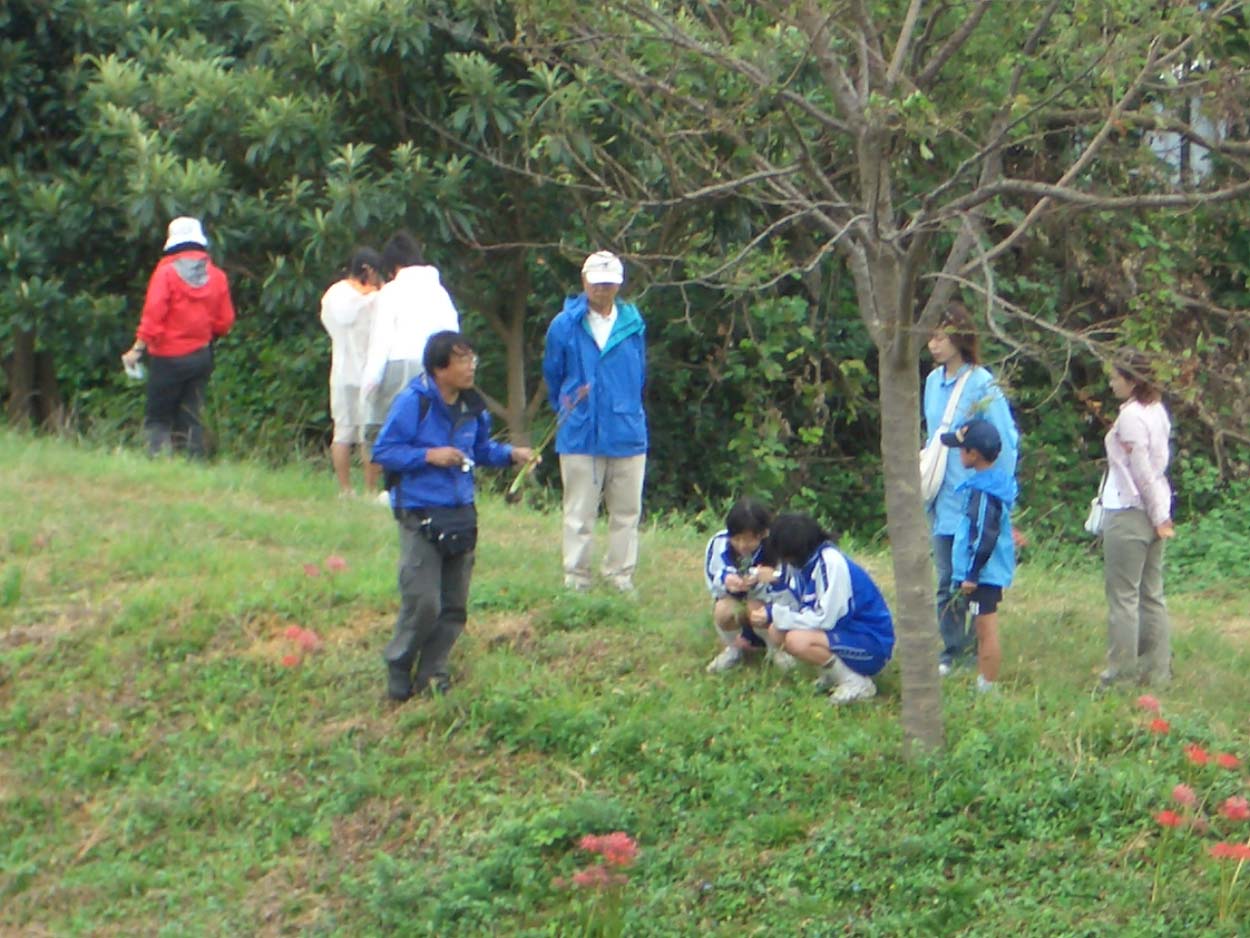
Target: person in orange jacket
(187, 307)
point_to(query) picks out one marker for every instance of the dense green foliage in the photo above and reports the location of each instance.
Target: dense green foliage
(299, 129)
(161, 772)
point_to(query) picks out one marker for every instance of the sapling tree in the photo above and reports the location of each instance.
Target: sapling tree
(918, 144)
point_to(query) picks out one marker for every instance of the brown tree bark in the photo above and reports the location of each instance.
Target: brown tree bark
(34, 397)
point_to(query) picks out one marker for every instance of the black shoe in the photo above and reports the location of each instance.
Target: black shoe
(398, 683)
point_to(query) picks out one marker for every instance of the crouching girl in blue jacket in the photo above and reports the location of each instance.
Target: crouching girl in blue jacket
(834, 617)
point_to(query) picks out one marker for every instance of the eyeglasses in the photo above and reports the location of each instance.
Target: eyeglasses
(469, 357)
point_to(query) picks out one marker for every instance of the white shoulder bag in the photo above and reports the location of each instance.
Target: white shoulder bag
(933, 455)
(1094, 520)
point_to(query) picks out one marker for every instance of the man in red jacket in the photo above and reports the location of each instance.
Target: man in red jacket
(187, 307)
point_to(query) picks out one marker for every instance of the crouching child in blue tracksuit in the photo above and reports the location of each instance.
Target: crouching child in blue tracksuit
(983, 558)
(740, 572)
(436, 432)
(835, 616)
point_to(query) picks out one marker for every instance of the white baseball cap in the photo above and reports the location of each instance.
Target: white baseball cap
(185, 230)
(603, 267)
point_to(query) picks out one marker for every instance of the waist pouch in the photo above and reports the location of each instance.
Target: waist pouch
(452, 531)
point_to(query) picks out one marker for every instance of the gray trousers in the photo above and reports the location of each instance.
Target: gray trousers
(1138, 632)
(434, 594)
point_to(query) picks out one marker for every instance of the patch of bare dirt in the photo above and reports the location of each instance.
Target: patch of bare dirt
(55, 622)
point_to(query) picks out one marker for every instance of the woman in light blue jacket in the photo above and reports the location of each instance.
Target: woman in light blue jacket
(956, 350)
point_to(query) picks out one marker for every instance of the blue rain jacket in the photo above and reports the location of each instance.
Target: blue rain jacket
(984, 552)
(981, 397)
(412, 428)
(607, 419)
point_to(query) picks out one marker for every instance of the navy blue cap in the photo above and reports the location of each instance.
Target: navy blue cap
(977, 434)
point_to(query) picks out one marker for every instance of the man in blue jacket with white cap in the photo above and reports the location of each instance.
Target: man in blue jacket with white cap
(595, 364)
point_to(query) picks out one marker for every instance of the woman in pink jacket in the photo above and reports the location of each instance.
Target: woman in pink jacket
(1137, 501)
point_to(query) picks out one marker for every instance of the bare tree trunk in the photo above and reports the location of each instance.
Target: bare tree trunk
(516, 411)
(34, 397)
(21, 373)
(915, 618)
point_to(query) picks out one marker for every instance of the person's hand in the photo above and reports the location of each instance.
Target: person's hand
(131, 358)
(735, 583)
(523, 454)
(967, 587)
(444, 456)
(765, 575)
(1165, 530)
(758, 617)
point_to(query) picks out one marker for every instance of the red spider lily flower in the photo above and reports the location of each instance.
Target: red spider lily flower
(1160, 727)
(1226, 851)
(308, 640)
(618, 848)
(293, 632)
(290, 661)
(335, 563)
(1184, 795)
(1196, 754)
(1169, 819)
(1236, 808)
(311, 569)
(1148, 703)
(1228, 761)
(597, 877)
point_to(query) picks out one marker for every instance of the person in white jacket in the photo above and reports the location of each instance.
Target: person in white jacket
(411, 307)
(347, 315)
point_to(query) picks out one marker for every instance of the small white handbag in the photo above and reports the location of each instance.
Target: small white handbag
(1094, 520)
(933, 455)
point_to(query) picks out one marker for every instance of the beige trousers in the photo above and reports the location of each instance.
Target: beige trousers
(1138, 632)
(617, 483)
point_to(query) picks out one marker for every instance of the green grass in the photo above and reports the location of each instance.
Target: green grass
(162, 773)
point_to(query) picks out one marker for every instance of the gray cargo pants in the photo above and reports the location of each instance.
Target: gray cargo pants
(434, 594)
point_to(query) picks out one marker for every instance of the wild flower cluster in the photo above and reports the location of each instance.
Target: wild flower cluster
(333, 564)
(1203, 815)
(307, 641)
(603, 916)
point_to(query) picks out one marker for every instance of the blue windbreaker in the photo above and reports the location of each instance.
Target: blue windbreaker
(981, 397)
(607, 419)
(833, 592)
(408, 433)
(984, 552)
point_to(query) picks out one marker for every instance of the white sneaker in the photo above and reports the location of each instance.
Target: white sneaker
(848, 685)
(944, 669)
(384, 498)
(861, 688)
(729, 657)
(782, 660)
(984, 686)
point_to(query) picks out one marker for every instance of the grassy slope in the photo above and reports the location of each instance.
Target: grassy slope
(161, 772)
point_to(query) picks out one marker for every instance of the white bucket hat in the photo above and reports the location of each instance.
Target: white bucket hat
(185, 230)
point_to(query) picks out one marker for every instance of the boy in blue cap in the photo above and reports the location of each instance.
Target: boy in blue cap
(983, 558)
